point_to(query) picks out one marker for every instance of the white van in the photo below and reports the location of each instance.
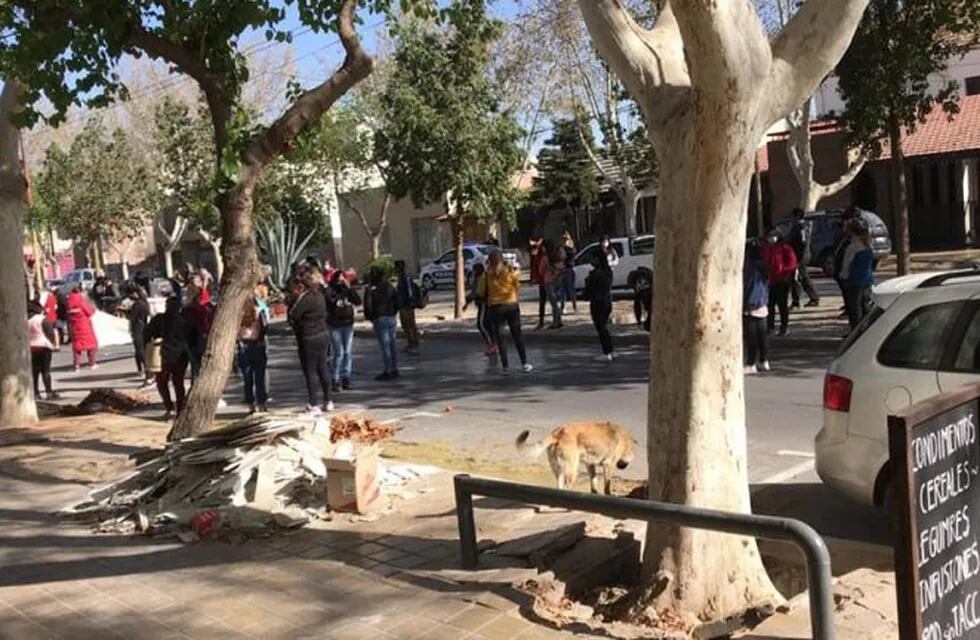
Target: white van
(633, 252)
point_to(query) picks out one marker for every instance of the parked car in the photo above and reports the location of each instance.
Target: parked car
(921, 338)
(633, 253)
(826, 231)
(83, 277)
(442, 270)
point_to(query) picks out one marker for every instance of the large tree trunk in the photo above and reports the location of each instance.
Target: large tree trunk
(237, 284)
(900, 203)
(696, 448)
(17, 407)
(459, 297)
(709, 83)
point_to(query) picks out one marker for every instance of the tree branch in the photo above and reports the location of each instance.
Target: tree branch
(650, 64)
(185, 59)
(312, 104)
(808, 48)
(856, 161)
(350, 205)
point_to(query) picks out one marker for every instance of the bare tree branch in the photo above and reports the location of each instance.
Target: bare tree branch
(813, 41)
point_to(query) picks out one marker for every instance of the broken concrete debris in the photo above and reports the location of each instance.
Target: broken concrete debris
(249, 476)
(104, 400)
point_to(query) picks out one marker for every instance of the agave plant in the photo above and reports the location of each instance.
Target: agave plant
(280, 240)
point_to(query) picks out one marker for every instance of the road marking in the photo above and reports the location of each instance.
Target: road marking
(794, 453)
(417, 414)
(788, 473)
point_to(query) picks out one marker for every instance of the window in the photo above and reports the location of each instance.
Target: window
(467, 255)
(586, 256)
(447, 257)
(87, 275)
(643, 246)
(918, 342)
(618, 248)
(968, 353)
(972, 86)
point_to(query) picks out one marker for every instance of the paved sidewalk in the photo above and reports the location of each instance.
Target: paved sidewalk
(394, 578)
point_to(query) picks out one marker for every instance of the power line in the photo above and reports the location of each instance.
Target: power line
(168, 84)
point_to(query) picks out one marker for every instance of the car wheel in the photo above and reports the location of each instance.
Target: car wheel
(428, 282)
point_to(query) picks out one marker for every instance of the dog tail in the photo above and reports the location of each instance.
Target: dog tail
(532, 450)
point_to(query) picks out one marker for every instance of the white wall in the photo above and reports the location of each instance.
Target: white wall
(827, 99)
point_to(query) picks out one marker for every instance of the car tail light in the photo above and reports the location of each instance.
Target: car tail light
(837, 393)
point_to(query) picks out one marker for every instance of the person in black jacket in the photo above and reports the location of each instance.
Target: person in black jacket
(308, 317)
(598, 289)
(175, 334)
(840, 249)
(341, 303)
(799, 239)
(381, 308)
(139, 315)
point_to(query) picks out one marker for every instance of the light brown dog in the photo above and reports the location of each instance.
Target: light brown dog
(597, 444)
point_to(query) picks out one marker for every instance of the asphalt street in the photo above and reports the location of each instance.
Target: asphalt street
(486, 409)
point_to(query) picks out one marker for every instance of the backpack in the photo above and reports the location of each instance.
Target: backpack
(419, 295)
(343, 310)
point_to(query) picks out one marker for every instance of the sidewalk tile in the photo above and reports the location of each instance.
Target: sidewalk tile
(413, 627)
(473, 618)
(18, 627)
(504, 628)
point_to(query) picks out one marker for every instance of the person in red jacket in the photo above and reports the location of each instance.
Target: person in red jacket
(83, 340)
(781, 264)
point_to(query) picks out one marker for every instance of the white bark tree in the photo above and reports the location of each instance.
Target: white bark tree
(171, 240)
(17, 408)
(800, 154)
(709, 84)
(214, 241)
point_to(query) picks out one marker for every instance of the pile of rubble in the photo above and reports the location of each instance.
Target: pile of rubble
(359, 429)
(251, 475)
(105, 400)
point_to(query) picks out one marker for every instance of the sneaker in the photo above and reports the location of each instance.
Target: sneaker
(221, 403)
(76, 369)
(345, 384)
(312, 411)
(784, 331)
(603, 357)
(251, 409)
(528, 367)
(765, 366)
(93, 367)
(381, 377)
(335, 386)
(168, 413)
(750, 370)
(54, 395)
(329, 406)
(539, 326)
(813, 303)
(555, 325)
(262, 409)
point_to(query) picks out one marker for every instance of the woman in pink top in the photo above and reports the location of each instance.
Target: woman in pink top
(42, 340)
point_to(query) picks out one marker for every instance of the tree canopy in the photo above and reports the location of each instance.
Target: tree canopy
(566, 176)
(886, 71)
(99, 188)
(441, 129)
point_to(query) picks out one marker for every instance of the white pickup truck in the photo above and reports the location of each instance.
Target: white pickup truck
(633, 252)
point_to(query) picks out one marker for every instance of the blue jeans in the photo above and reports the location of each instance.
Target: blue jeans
(341, 352)
(385, 328)
(252, 360)
(554, 291)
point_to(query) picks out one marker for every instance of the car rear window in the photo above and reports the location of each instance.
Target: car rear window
(865, 324)
(918, 341)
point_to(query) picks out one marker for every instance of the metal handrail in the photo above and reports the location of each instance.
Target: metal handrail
(769, 527)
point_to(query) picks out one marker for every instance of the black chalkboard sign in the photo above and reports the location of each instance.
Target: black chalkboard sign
(935, 460)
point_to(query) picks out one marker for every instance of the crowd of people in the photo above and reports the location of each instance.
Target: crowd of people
(775, 272)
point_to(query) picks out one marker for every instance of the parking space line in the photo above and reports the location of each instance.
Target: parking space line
(788, 473)
(794, 453)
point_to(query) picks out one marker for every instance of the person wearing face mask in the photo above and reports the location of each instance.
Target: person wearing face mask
(781, 265)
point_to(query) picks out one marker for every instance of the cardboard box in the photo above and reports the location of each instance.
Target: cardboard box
(352, 479)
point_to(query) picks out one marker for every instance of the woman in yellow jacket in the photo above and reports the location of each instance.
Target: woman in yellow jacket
(500, 287)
